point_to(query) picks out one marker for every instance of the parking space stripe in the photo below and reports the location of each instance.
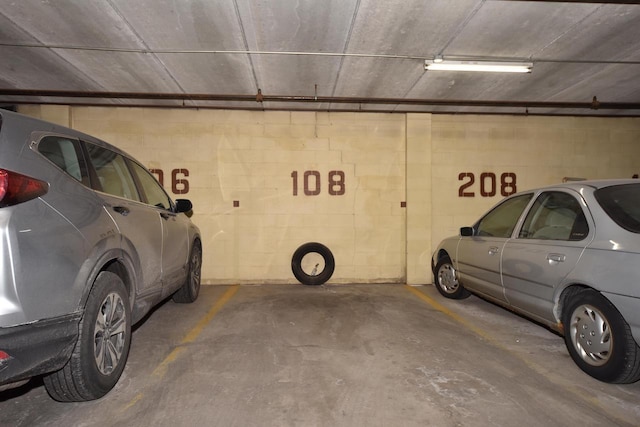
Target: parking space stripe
(433, 303)
(161, 370)
(193, 334)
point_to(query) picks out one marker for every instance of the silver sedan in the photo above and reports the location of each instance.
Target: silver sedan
(567, 256)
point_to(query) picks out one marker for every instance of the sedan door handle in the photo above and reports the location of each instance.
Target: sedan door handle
(493, 250)
(556, 258)
(121, 210)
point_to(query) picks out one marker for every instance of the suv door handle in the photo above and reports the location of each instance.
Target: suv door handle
(121, 210)
(493, 250)
(556, 258)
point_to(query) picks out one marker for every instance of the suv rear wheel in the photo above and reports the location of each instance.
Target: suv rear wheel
(101, 352)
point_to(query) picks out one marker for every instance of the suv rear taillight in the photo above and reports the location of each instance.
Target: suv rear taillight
(17, 188)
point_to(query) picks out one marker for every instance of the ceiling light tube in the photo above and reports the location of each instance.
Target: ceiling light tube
(484, 66)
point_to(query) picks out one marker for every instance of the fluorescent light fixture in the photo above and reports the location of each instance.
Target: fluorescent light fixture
(485, 66)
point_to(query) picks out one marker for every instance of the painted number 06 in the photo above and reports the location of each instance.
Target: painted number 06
(488, 184)
(179, 182)
(312, 183)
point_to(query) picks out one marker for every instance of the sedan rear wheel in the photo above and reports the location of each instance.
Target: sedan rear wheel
(446, 279)
(599, 339)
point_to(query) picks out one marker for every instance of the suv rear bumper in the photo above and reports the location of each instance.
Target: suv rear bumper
(37, 348)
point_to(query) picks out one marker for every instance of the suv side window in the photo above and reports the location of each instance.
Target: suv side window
(555, 216)
(65, 153)
(501, 221)
(153, 191)
(113, 174)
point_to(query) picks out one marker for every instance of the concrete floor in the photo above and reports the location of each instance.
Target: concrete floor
(338, 355)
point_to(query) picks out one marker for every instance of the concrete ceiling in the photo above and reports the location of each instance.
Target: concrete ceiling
(322, 54)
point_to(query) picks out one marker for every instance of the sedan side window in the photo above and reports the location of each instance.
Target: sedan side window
(555, 216)
(113, 173)
(501, 221)
(153, 192)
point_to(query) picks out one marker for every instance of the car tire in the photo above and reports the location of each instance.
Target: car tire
(599, 340)
(191, 288)
(313, 277)
(446, 280)
(101, 351)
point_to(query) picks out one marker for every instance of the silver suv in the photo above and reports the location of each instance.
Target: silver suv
(90, 242)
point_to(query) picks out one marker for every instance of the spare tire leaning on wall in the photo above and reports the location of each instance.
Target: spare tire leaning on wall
(306, 266)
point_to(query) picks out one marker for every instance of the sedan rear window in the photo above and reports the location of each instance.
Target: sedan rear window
(555, 215)
(622, 204)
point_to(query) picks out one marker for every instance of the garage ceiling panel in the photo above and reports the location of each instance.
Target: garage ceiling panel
(516, 29)
(217, 73)
(408, 27)
(297, 26)
(69, 22)
(219, 53)
(183, 25)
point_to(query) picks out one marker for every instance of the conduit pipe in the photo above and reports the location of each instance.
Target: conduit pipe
(22, 95)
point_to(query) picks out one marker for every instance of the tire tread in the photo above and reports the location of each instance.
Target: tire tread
(184, 295)
(71, 383)
(632, 372)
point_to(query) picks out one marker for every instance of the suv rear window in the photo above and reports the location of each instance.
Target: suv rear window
(65, 153)
(622, 204)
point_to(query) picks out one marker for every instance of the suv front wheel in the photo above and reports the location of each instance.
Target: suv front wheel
(101, 352)
(189, 291)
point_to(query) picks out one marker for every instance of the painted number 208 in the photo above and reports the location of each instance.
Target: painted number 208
(488, 184)
(312, 184)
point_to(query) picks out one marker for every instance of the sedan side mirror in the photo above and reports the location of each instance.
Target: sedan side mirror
(466, 231)
(183, 205)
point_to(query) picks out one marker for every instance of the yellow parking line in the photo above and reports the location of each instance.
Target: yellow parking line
(193, 334)
(161, 370)
(433, 303)
(591, 401)
(133, 401)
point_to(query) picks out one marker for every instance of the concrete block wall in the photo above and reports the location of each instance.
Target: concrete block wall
(264, 183)
(419, 200)
(532, 151)
(380, 190)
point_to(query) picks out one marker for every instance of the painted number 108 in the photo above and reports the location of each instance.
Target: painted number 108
(312, 183)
